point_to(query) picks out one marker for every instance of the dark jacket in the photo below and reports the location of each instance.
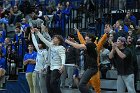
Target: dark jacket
(72, 55)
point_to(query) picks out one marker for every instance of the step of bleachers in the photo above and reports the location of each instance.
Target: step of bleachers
(3, 91)
(12, 86)
(108, 84)
(21, 86)
(22, 83)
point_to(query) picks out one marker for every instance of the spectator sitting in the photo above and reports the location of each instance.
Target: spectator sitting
(18, 34)
(1, 10)
(51, 6)
(2, 65)
(7, 41)
(12, 61)
(104, 60)
(2, 35)
(120, 29)
(25, 7)
(24, 24)
(131, 17)
(119, 25)
(6, 7)
(2, 50)
(14, 15)
(4, 20)
(35, 21)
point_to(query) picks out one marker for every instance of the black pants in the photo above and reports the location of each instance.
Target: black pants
(85, 79)
(53, 81)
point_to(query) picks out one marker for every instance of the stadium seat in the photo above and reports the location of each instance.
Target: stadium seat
(111, 74)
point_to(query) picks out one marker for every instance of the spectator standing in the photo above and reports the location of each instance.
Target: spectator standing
(91, 67)
(2, 68)
(57, 61)
(72, 58)
(39, 74)
(124, 64)
(15, 15)
(29, 60)
(2, 65)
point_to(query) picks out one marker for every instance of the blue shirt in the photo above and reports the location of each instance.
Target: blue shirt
(133, 19)
(3, 50)
(125, 28)
(3, 35)
(25, 25)
(2, 63)
(30, 67)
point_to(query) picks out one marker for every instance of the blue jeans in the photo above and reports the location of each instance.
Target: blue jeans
(124, 81)
(39, 82)
(68, 71)
(85, 79)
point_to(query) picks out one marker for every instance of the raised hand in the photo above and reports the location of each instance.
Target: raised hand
(36, 30)
(32, 31)
(107, 29)
(66, 40)
(114, 45)
(75, 28)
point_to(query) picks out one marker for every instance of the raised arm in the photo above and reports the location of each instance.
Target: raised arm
(49, 44)
(44, 31)
(101, 42)
(78, 46)
(35, 42)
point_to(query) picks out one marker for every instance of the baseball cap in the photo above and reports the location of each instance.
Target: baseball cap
(122, 39)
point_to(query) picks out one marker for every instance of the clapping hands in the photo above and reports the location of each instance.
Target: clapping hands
(114, 46)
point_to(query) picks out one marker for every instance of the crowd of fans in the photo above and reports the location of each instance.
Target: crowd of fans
(32, 24)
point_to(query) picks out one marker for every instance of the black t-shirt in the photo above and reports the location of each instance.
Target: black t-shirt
(90, 56)
(72, 55)
(124, 66)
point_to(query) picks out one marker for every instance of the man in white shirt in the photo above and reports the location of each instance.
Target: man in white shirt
(39, 74)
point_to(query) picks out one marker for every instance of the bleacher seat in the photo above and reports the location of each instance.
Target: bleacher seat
(111, 74)
(138, 86)
(3, 91)
(108, 84)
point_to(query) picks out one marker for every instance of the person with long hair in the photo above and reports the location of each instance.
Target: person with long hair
(57, 60)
